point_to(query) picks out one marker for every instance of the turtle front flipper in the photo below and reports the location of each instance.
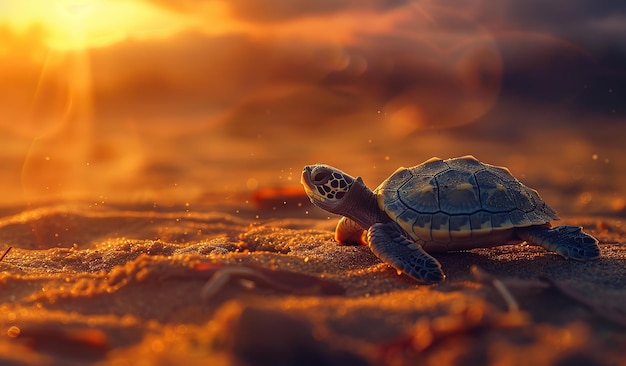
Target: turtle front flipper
(568, 241)
(389, 242)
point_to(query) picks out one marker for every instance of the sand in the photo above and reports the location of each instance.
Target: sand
(128, 285)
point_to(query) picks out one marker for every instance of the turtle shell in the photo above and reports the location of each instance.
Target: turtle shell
(460, 199)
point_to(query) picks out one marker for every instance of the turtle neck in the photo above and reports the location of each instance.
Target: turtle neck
(360, 205)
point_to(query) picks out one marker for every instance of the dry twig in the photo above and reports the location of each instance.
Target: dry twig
(279, 280)
(5, 253)
(502, 290)
(219, 275)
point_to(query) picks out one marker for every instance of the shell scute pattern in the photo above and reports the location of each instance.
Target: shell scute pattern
(494, 195)
(535, 216)
(444, 200)
(548, 211)
(407, 218)
(458, 192)
(423, 226)
(388, 193)
(430, 167)
(398, 207)
(440, 227)
(480, 222)
(501, 219)
(399, 177)
(460, 227)
(519, 218)
(466, 163)
(523, 200)
(502, 173)
(423, 192)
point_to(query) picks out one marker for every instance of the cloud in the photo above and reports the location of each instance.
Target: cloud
(267, 11)
(563, 53)
(559, 13)
(609, 30)
(279, 10)
(409, 65)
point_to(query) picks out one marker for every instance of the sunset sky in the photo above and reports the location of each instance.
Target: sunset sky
(117, 81)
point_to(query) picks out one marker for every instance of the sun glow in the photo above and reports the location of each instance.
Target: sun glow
(78, 24)
(59, 117)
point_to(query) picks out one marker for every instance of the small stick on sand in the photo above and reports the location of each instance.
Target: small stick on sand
(506, 295)
(282, 281)
(223, 276)
(602, 311)
(5, 253)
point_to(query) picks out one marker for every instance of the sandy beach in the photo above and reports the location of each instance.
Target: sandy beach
(150, 205)
(118, 285)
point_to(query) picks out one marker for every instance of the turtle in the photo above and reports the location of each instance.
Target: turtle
(441, 206)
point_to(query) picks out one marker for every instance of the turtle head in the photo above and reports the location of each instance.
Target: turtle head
(327, 187)
(335, 191)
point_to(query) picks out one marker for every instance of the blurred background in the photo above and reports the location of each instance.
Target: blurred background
(173, 101)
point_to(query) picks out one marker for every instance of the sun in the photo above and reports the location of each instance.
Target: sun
(79, 24)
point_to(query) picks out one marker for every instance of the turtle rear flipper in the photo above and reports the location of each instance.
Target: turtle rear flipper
(394, 246)
(568, 241)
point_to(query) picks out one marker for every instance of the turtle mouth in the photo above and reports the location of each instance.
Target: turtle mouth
(306, 174)
(306, 182)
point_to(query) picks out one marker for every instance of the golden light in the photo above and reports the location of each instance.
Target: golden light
(77, 24)
(48, 57)
(100, 66)
(58, 161)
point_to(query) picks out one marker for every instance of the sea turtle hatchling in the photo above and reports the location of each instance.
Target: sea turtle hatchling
(439, 206)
